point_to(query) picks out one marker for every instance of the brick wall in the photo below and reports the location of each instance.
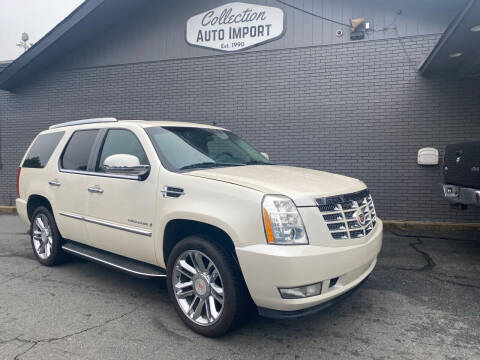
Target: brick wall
(358, 109)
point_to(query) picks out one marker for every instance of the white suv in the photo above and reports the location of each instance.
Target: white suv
(198, 205)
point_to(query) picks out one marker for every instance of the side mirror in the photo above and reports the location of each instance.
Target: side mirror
(124, 164)
(265, 155)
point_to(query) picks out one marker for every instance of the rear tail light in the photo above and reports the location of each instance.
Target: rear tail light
(18, 181)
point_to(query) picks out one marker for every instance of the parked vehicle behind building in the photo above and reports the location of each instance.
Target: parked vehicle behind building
(461, 170)
(200, 206)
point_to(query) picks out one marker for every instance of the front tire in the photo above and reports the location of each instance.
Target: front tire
(206, 286)
(45, 237)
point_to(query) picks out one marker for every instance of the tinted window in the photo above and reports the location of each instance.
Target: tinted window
(77, 152)
(120, 141)
(42, 149)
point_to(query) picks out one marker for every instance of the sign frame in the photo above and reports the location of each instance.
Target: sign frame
(284, 29)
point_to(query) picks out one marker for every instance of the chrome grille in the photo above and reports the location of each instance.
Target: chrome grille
(343, 213)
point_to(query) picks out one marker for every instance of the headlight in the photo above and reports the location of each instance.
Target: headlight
(283, 224)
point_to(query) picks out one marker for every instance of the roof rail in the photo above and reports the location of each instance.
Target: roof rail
(85, 121)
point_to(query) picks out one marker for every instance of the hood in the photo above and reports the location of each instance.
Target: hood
(301, 185)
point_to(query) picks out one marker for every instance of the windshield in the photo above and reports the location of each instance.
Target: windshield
(185, 148)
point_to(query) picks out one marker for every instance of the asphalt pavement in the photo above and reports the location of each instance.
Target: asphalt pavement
(421, 302)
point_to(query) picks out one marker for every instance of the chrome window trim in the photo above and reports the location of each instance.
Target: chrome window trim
(91, 173)
(107, 224)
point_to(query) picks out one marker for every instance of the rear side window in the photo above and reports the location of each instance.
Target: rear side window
(42, 149)
(77, 152)
(119, 141)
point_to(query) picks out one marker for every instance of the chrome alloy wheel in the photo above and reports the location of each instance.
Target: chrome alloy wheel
(42, 237)
(198, 287)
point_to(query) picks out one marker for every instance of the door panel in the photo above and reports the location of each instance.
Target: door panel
(70, 204)
(120, 210)
(67, 186)
(122, 216)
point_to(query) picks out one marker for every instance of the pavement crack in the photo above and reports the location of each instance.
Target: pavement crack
(431, 237)
(453, 282)
(429, 262)
(53, 339)
(26, 351)
(19, 276)
(169, 331)
(2, 342)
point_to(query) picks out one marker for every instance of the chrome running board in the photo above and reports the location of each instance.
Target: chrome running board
(122, 263)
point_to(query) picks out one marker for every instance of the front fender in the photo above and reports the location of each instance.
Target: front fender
(234, 209)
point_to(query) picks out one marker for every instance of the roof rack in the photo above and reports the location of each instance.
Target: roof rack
(85, 121)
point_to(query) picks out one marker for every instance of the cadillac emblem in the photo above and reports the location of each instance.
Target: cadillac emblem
(360, 218)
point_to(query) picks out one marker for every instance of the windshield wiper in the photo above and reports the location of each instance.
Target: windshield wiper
(208, 164)
(201, 165)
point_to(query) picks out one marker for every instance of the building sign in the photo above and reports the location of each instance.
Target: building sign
(235, 26)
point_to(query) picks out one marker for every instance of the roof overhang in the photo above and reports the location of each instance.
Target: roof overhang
(91, 17)
(457, 53)
(94, 16)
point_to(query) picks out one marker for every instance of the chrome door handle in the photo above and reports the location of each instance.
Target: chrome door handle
(95, 189)
(54, 182)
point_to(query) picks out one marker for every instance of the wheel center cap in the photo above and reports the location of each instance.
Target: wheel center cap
(201, 286)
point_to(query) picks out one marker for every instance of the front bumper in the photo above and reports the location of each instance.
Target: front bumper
(268, 267)
(282, 315)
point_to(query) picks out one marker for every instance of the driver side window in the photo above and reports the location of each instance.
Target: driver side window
(120, 141)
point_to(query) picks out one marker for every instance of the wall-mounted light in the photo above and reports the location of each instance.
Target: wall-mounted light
(358, 28)
(427, 156)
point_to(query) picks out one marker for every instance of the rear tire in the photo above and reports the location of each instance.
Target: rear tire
(45, 237)
(206, 286)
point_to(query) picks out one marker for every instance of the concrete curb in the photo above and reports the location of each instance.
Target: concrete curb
(11, 210)
(429, 226)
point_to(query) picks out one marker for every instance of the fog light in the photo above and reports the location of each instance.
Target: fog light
(301, 292)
